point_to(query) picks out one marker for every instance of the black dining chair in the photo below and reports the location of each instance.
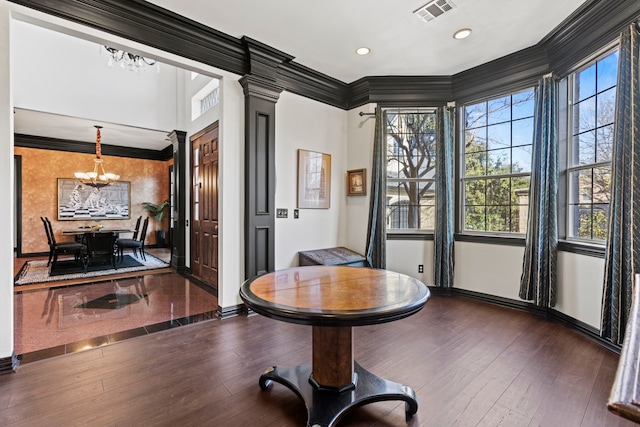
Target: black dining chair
(136, 245)
(100, 249)
(137, 229)
(57, 248)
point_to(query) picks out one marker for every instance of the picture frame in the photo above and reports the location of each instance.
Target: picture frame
(78, 201)
(357, 182)
(314, 180)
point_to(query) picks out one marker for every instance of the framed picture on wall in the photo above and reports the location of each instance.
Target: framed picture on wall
(357, 182)
(314, 180)
(77, 201)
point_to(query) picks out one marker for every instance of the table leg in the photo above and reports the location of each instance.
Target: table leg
(324, 407)
(333, 358)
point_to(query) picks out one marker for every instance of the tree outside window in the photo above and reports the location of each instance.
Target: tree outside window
(411, 163)
(498, 135)
(592, 116)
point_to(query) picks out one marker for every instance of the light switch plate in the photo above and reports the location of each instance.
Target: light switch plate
(282, 213)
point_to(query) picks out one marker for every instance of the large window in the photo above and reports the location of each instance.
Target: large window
(592, 101)
(496, 164)
(411, 163)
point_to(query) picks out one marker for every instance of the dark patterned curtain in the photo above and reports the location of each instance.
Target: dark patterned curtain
(538, 281)
(623, 238)
(445, 214)
(377, 230)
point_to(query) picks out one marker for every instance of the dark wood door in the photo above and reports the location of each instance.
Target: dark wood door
(204, 212)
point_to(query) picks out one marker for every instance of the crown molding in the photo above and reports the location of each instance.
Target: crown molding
(504, 75)
(591, 27)
(151, 25)
(45, 143)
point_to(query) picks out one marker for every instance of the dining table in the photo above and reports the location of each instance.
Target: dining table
(79, 231)
(334, 300)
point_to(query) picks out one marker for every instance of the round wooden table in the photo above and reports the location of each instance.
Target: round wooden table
(333, 300)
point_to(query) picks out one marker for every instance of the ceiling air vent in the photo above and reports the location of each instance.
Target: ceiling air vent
(433, 9)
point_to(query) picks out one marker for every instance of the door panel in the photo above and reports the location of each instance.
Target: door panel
(205, 205)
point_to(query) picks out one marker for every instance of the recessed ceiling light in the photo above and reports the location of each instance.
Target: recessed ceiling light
(462, 34)
(363, 51)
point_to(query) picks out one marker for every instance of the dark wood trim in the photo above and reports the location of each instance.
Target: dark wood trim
(508, 74)
(181, 212)
(263, 60)
(227, 312)
(401, 91)
(550, 313)
(18, 208)
(9, 365)
(410, 236)
(56, 144)
(590, 28)
(303, 81)
(581, 249)
(261, 96)
(490, 240)
(152, 25)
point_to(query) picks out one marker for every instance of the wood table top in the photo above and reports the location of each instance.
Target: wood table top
(335, 295)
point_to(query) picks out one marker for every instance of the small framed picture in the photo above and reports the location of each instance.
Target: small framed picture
(357, 182)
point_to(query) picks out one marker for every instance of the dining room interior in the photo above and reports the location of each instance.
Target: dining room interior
(214, 118)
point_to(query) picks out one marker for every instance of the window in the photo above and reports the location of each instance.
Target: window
(498, 135)
(411, 163)
(592, 103)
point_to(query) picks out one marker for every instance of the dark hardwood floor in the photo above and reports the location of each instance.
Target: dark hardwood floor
(470, 363)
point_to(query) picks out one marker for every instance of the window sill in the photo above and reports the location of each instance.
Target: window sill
(582, 248)
(410, 235)
(491, 239)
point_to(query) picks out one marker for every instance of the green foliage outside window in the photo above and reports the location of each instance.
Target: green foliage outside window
(497, 163)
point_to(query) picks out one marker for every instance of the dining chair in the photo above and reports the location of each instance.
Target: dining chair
(57, 248)
(137, 229)
(136, 245)
(100, 249)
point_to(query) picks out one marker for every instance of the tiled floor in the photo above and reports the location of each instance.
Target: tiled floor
(51, 322)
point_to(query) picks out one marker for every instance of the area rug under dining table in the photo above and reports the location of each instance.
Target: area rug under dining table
(37, 271)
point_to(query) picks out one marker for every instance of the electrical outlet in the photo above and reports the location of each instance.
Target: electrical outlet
(282, 213)
(420, 268)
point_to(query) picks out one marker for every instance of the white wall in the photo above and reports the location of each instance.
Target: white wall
(359, 155)
(580, 285)
(310, 125)
(489, 269)
(404, 256)
(231, 191)
(66, 75)
(6, 186)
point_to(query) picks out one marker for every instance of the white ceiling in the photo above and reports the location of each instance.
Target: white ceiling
(323, 35)
(57, 126)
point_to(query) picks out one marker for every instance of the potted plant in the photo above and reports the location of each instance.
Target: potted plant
(157, 213)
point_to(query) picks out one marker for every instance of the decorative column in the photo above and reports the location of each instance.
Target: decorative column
(261, 92)
(181, 177)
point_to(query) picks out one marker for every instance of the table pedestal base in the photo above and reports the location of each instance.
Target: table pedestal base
(325, 408)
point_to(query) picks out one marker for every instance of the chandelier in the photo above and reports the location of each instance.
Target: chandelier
(128, 60)
(97, 178)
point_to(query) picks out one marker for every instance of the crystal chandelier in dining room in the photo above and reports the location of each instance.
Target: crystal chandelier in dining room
(130, 61)
(97, 178)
